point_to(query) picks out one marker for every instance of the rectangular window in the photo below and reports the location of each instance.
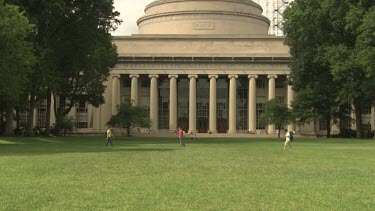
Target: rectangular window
(81, 115)
(23, 118)
(323, 125)
(345, 120)
(260, 109)
(280, 99)
(242, 106)
(366, 109)
(42, 113)
(124, 98)
(279, 83)
(366, 127)
(145, 83)
(183, 103)
(145, 102)
(222, 104)
(261, 83)
(163, 101)
(126, 82)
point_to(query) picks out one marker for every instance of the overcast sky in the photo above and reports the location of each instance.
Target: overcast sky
(130, 11)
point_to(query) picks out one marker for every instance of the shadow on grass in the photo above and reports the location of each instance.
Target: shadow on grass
(17, 151)
(17, 146)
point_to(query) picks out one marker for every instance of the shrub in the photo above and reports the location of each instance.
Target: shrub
(347, 133)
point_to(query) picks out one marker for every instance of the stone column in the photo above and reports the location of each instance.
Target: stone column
(115, 93)
(154, 102)
(352, 116)
(36, 119)
(134, 89)
(271, 95)
(213, 109)
(193, 104)
(290, 97)
(252, 103)
(52, 117)
(173, 103)
(232, 103)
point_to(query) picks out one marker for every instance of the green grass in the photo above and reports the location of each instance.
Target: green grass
(80, 173)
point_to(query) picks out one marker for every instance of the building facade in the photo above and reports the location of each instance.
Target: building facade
(208, 66)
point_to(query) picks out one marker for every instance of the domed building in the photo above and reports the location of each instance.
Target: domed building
(207, 66)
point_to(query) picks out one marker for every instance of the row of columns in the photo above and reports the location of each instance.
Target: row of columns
(192, 101)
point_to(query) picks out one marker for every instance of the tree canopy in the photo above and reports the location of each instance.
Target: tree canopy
(16, 58)
(130, 116)
(74, 51)
(16, 52)
(277, 113)
(331, 43)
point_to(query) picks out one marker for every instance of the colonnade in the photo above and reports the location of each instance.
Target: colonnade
(193, 99)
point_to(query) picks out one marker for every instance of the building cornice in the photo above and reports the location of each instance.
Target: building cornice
(197, 37)
(170, 59)
(203, 12)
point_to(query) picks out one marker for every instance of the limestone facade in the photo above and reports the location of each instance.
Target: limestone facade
(207, 64)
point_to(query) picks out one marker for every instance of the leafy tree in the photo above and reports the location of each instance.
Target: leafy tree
(306, 27)
(130, 116)
(16, 59)
(276, 113)
(75, 49)
(324, 37)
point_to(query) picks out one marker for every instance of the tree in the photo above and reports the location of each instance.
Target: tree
(129, 117)
(276, 113)
(84, 53)
(306, 27)
(323, 36)
(16, 58)
(75, 51)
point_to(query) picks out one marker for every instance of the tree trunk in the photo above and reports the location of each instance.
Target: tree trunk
(18, 118)
(59, 121)
(328, 126)
(358, 121)
(128, 131)
(48, 115)
(9, 119)
(59, 115)
(2, 123)
(30, 118)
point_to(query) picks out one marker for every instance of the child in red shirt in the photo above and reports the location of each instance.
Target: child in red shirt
(180, 135)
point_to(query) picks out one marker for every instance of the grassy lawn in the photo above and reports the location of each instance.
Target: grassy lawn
(80, 173)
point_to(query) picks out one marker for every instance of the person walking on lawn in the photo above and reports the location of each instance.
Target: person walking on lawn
(288, 138)
(180, 135)
(109, 136)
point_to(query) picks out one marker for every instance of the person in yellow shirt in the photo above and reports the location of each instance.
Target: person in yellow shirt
(109, 136)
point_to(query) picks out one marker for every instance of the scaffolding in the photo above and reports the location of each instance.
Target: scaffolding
(273, 10)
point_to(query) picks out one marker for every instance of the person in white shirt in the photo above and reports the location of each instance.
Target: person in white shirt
(288, 138)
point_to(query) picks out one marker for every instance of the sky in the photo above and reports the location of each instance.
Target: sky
(131, 11)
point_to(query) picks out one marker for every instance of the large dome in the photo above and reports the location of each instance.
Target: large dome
(240, 17)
